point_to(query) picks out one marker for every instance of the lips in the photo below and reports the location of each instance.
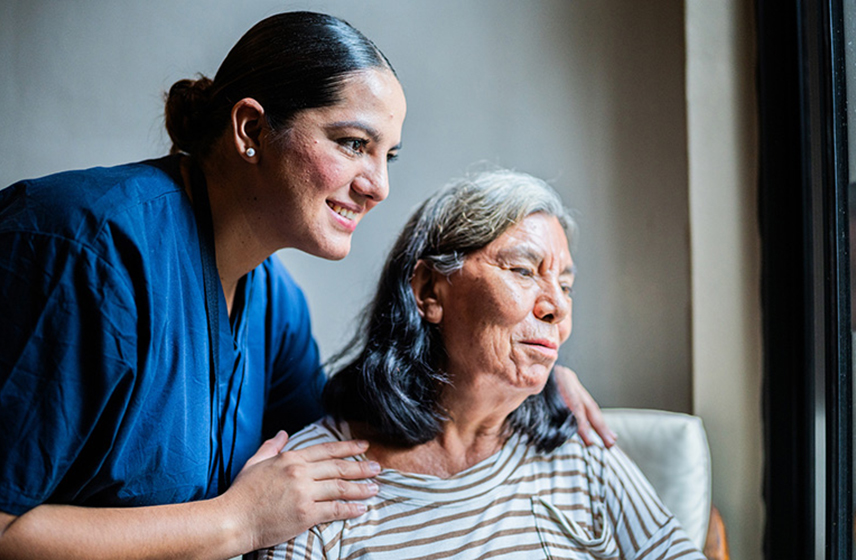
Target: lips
(545, 343)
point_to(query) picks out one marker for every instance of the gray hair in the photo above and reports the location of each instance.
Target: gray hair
(472, 212)
(393, 384)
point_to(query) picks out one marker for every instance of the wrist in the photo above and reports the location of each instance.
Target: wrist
(233, 532)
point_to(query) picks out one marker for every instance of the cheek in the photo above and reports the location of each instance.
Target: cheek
(567, 324)
(330, 175)
(316, 171)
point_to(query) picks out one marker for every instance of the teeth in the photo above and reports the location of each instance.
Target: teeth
(344, 212)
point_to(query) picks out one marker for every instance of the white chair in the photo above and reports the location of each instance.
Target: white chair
(671, 449)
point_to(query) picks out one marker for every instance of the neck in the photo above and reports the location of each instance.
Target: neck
(475, 430)
(237, 246)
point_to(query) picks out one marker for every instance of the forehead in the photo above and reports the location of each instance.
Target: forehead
(374, 92)
(538, 235)
(370, 99)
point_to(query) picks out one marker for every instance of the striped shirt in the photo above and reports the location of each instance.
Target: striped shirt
(576, 502)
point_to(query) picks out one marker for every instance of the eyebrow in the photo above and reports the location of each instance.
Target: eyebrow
(533, 257)
(370, 131)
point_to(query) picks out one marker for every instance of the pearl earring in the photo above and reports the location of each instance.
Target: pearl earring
(251, 152)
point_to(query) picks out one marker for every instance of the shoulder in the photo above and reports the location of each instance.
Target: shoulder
(325, 430)
(572, 451)
(79, 204)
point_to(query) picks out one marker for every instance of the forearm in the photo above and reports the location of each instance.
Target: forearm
(204, 530)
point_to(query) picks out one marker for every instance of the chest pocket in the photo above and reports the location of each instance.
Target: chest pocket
(565, 538)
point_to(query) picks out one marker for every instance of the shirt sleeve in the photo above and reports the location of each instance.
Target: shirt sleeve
(644, 528)
(67, 349)
(297, 378)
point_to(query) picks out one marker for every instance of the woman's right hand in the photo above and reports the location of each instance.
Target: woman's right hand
(278, 495)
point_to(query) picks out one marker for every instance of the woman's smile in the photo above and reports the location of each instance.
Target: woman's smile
(346, 216)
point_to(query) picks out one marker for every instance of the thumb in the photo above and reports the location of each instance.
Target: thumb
(270, 448)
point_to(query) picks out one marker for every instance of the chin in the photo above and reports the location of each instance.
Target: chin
(535, 379)
(332, 253)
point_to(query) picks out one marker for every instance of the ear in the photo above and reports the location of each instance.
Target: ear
(248, 123)
(424, 284)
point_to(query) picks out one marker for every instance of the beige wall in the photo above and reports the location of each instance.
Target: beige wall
(588, 94)
(725, 256)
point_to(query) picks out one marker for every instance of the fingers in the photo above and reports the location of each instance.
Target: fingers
(270, 448)
(333, 450)
(338, 511)
(598, 422)
(583, 427)
(347, 470)
(584, 407)
(337, 489)
(571, 391)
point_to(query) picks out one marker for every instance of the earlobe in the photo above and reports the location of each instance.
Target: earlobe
(248, 123)
(424, 284)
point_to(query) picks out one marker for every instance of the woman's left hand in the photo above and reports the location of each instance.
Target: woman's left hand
(585, 409)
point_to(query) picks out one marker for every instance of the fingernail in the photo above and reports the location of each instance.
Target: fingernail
(374, 467)
(614, 435)
(361, 507)
(372, 487)
(362, 444)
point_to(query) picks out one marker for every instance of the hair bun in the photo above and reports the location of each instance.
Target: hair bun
(186, 112)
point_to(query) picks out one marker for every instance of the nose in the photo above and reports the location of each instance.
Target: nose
(373, 182)
(552, 305)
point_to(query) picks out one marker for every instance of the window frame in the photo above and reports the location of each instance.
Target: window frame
(803, 215)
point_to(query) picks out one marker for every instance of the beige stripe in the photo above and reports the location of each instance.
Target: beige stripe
(463, 488)
(619, 510)
(289, 550)
(546, 476)
(328, 546)
(557, 532)
(654, 545)
(633, 496)
(350, 541)
(470, 512)
(305, 440)
(504, 551)
(638, 496)
(575, 548)
(310, 542)
(437, 539)
(426, 492)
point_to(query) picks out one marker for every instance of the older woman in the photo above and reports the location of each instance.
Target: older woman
(452, 386)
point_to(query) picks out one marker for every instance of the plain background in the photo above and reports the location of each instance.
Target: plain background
(591, 95)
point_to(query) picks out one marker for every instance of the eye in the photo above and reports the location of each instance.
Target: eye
(567, 290)
(522, 271)
(391, 157)
(356, 145)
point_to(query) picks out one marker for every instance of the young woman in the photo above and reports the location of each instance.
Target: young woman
(150, 341)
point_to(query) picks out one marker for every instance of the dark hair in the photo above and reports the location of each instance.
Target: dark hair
(393, 385)
(287, 62)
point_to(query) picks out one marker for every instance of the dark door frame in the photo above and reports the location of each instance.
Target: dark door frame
(805, 288)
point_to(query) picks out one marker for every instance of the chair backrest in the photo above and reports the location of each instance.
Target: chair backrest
(671, 450)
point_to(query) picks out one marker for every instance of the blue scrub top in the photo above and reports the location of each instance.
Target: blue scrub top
(105, 394)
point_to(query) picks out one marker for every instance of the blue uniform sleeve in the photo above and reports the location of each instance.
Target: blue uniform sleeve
(67, 362)
(296, 377)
